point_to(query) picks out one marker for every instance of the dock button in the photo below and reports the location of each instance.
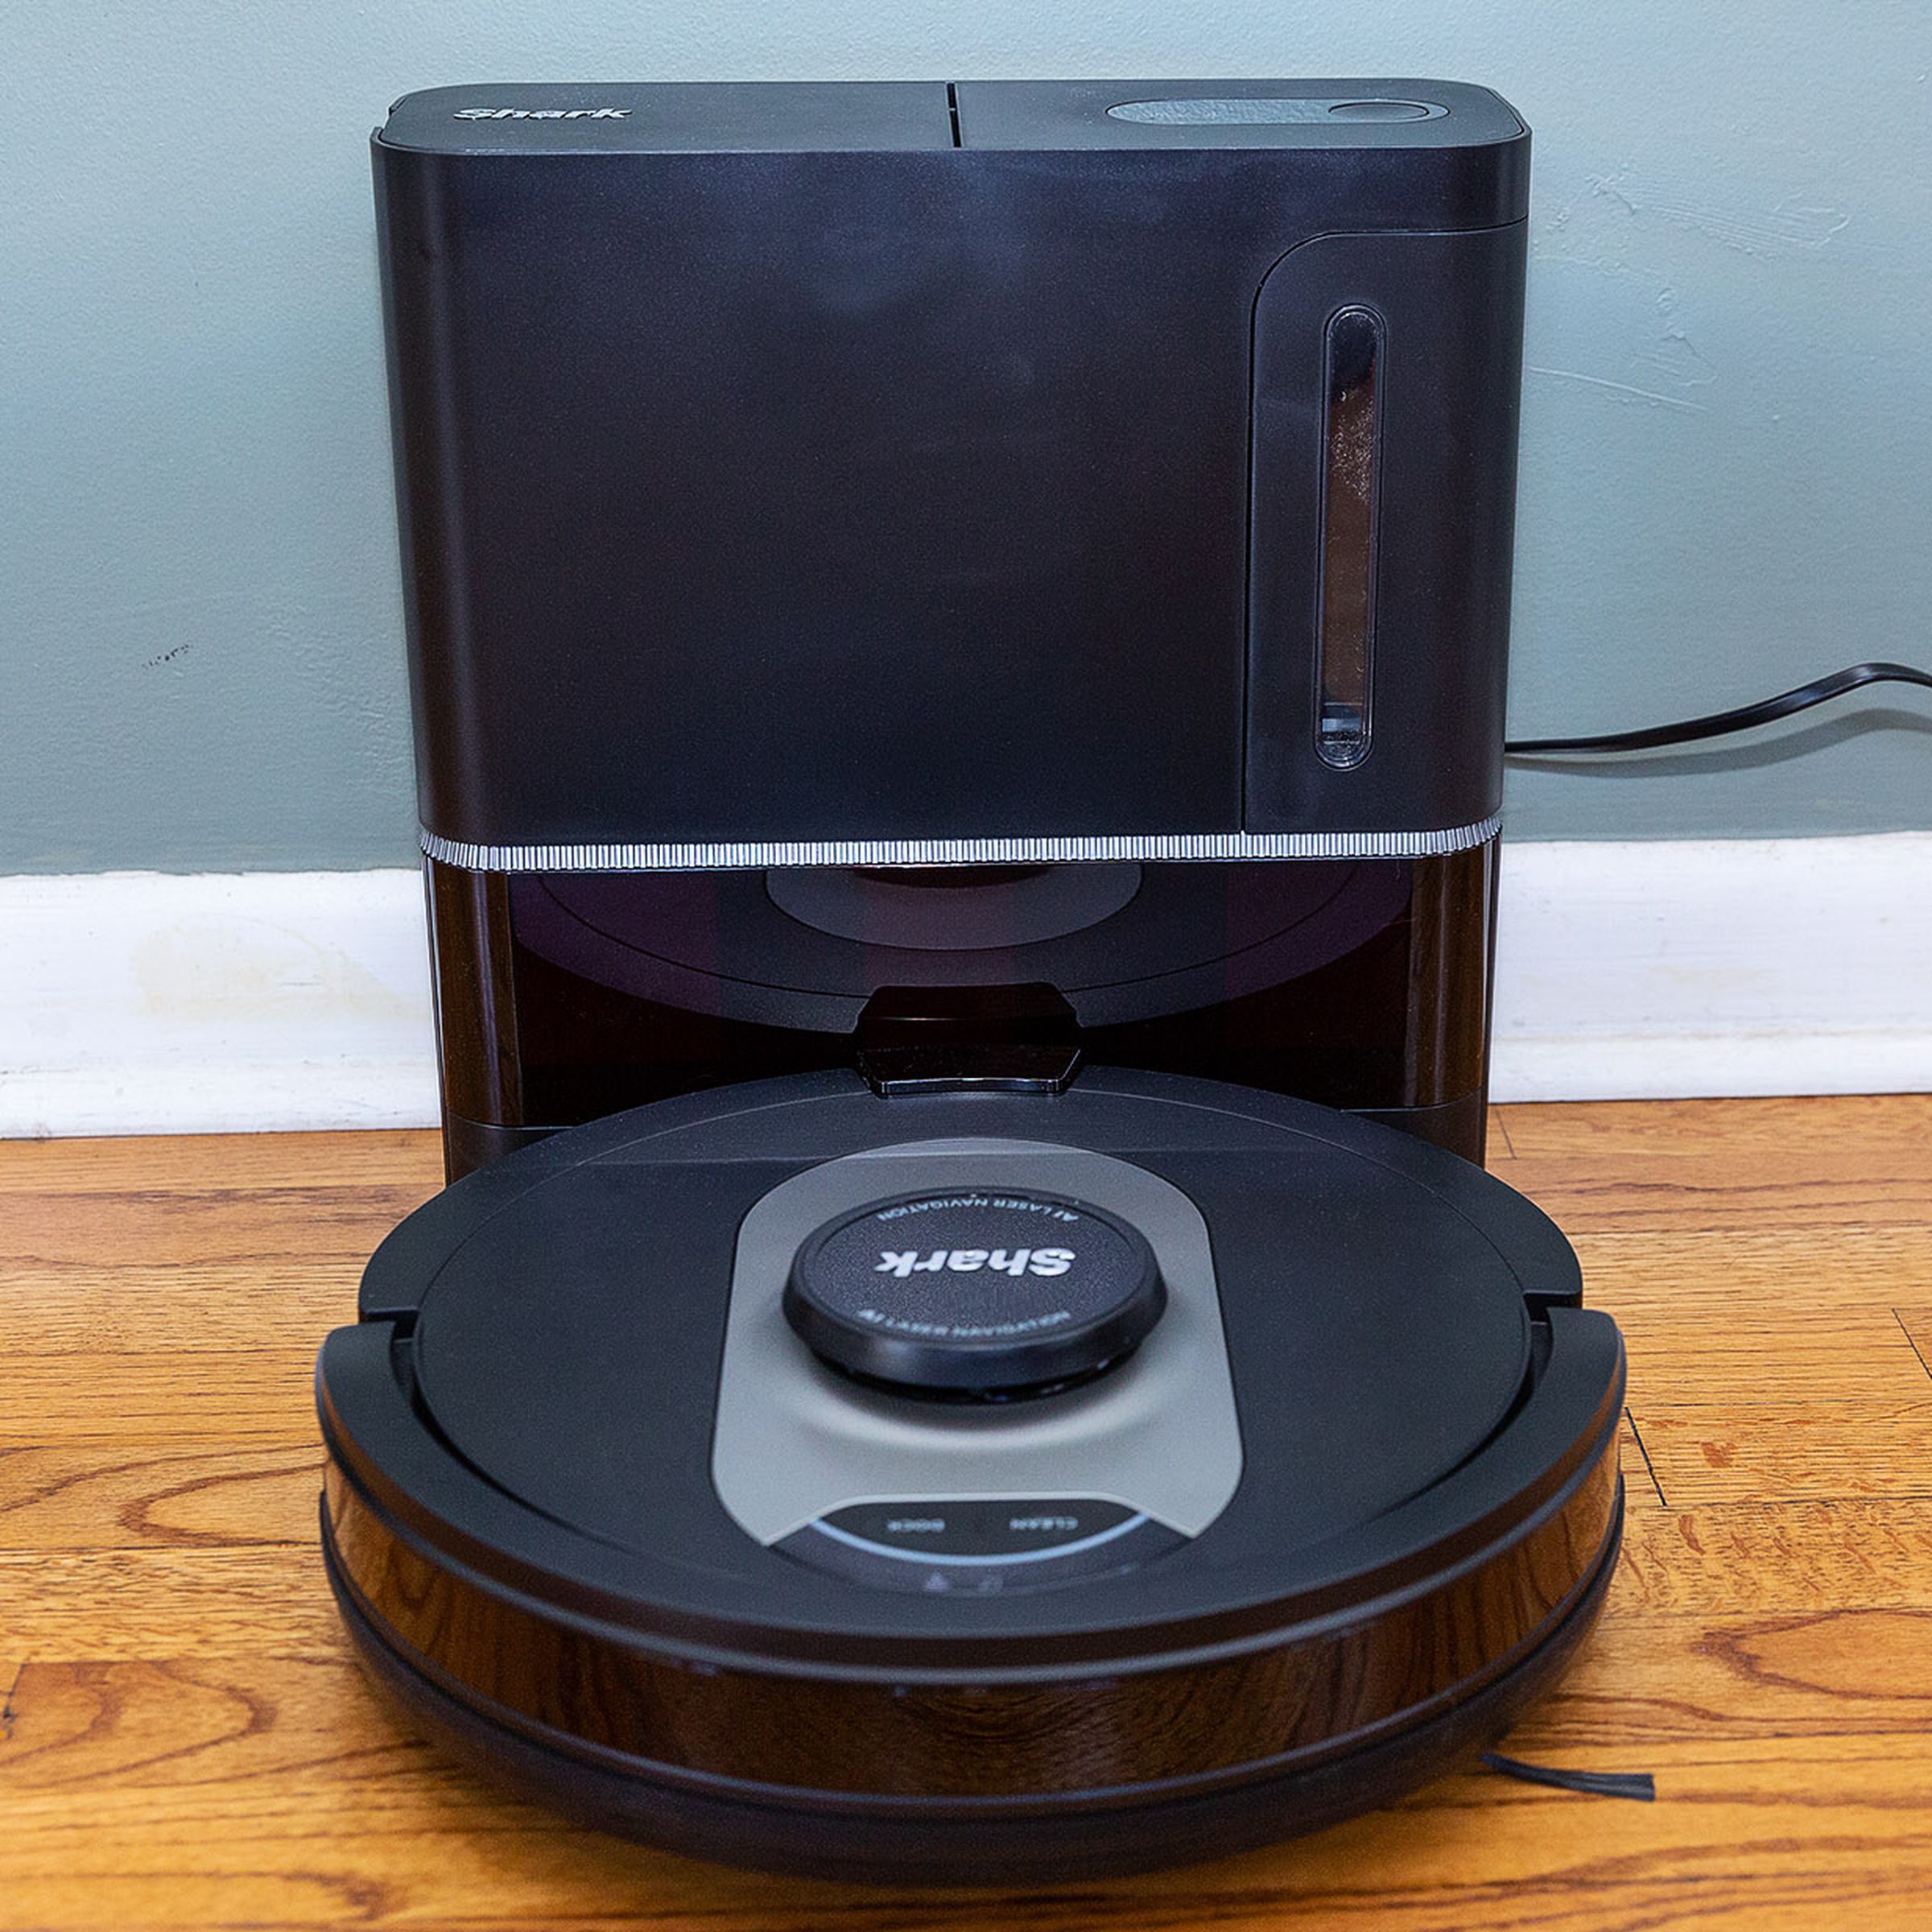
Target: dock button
(978, 1547)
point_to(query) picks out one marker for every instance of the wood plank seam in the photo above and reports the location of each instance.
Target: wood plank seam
(7, 1718)
(1911, 1340)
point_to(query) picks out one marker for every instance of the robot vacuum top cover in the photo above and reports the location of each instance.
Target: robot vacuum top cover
(564, 1319)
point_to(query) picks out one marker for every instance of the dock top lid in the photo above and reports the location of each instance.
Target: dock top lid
(633, 117)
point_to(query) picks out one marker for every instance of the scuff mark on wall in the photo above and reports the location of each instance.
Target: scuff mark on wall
(1757, 233)
(1627, 391)
(1620, 195)
(1674, 355)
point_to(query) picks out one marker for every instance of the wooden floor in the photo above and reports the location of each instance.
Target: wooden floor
(185, 1742)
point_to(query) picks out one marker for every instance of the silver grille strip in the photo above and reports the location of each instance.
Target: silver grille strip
(723, 857)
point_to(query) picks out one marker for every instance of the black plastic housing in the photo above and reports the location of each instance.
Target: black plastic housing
(783, 462)
(807, 482)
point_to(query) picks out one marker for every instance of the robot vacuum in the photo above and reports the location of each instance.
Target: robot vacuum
(971, 1486)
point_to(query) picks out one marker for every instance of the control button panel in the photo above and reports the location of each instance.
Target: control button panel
(980, 1547)
(1254, 111)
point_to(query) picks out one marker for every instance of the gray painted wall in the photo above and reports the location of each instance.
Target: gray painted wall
(1727, 442)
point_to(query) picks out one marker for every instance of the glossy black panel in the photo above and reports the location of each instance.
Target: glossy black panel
(1362, 984)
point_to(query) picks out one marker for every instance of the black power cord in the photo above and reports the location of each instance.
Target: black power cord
(1638, 1785)
(1721, 724)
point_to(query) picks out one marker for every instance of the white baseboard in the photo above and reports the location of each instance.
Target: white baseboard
(1670, 969)
(143, 1002)
(138, 1002)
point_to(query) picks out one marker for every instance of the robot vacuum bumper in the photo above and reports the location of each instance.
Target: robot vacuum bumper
(955, 1840)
